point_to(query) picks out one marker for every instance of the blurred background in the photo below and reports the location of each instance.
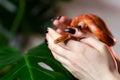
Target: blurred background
(22, 22)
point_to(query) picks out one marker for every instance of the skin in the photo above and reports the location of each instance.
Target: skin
(87, 59)
(89, 23)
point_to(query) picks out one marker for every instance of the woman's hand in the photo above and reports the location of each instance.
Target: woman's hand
(87, 59)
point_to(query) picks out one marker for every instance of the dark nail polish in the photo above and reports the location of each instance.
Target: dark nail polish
(45, 31)
(70, 30)
(58, 17)
(46, 42)
(79, 28)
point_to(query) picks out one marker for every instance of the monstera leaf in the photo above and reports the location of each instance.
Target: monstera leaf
(36, 64)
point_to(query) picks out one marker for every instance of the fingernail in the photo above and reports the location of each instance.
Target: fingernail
(46, 42)
(79, 28)
(58, 17)
(70, 30)
(46, 30)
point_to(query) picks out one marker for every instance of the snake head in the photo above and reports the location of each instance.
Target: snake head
(96, 26)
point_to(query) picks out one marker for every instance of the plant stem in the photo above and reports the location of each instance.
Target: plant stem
(18, 17)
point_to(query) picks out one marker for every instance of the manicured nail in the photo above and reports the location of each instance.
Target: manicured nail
(45, 30)
(70, 30)
(79, 28)
(46, 42)
(58, 17)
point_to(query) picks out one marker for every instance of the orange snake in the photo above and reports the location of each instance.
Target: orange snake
(93, 24)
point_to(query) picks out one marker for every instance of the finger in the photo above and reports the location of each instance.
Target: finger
(59, 48)
(59, 31)
(95, 43)
(62, 22)
(65, 20)
(89, 39)
(101, 47)
(74, 32)
(53, 34)
(79, 35)
(65, 62)
(76, 46)
(62, 60)
(58, 24)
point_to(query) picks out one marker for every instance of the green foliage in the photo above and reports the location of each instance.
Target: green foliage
(28, 16)
(3, 39)
(26, 67)
(25, 17)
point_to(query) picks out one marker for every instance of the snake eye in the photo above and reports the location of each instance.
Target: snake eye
(79, 27)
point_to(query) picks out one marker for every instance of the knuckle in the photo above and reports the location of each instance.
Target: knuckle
(103, 48)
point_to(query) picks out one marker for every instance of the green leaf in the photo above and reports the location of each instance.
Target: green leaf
(3, 39)
(28, 69)
(34, 66)
(8, 55)
(18, 17)
(43, 50)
